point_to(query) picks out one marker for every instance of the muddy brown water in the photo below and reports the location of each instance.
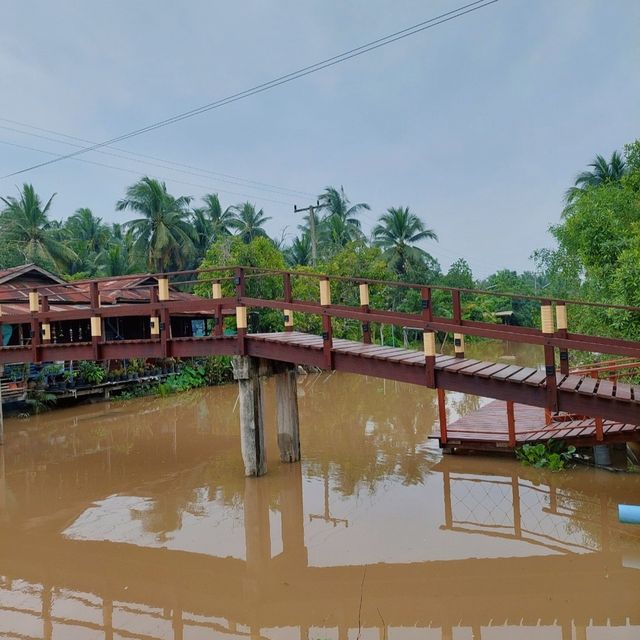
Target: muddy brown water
(134, 520)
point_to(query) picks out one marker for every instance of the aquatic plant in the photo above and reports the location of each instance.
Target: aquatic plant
(553, 455)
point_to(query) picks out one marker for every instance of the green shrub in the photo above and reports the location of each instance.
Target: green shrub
(554, 455)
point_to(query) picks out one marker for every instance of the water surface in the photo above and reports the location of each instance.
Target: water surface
(134, 520)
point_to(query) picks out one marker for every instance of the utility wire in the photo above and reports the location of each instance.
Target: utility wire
(137, 173)
(172, 163)
(266, 86)
(202, 174)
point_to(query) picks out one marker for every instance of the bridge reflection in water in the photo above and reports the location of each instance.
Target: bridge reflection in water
(135, 522)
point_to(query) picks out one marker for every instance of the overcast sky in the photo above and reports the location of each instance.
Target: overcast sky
(479, 125)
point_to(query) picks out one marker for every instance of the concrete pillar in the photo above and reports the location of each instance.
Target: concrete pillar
(287, 413)
(246, 370)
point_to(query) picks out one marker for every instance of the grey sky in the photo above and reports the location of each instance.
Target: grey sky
(479, 125)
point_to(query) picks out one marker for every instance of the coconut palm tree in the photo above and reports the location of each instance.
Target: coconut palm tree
(299, 253)
(163, 233)
(83, 227)
(211, 222)
(25, 225)
(248, 223)
(602, 171)
(397, 232)
(339, 224)
(116, 260)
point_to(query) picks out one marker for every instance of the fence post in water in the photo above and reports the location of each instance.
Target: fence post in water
(364, 305)
(511, 423)
(562, 329)
(327, 332)
(442, 416)
(287, 412)
(246, 371)
(546, 318)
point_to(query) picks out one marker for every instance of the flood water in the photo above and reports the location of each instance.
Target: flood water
(134, 520)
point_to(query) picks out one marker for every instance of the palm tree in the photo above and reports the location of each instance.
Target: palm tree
(211, 222)
(162, 233)
(115, 260)
(299, 253)
(340, 224)
(602, 171)
(397, 232)
(25, 224)
(88, 236)
(248, 222)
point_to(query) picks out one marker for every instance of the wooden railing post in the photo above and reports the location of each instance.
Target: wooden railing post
(429, 338)
(364, 306)
(96, 320)
(327, 331)
(456, 306)
(34, 308)
(216, 294)
(239, 282)
(546, 317)
(562, 332)
(165, 315)
(241, 326)
(46, 324)
(442, 416)
(458, 344)
(288, 297)
(511, 423)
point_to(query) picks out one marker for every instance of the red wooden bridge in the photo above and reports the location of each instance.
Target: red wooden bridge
(579, 406)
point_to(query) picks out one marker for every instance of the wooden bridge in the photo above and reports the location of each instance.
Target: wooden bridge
(606, 410)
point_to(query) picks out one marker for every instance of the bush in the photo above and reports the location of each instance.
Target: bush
(554, 455)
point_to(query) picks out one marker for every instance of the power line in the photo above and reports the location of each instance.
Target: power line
(266, 86)
(216, 174)
(203, 172)
(137, 173)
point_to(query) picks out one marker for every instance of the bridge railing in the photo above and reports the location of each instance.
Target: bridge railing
(228, 291)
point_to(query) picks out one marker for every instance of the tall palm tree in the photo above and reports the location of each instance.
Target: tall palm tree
(83, 227)
(116, 260)
(211, 222)
(397, 232)
(25, 224)
(162, 233)
(602, 171)
(339, 224)
(248, 223)
(299, 253)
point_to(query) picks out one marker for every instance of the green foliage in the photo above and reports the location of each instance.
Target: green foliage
(553, 455)
(39, 400)
(92, 372)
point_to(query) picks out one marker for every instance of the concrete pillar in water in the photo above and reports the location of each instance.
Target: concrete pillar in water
(246, 370)
(287, 413)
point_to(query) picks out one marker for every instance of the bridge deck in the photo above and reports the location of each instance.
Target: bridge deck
(489, 424)
(617, 402)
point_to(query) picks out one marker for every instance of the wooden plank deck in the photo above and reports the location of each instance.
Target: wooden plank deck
(488, 426)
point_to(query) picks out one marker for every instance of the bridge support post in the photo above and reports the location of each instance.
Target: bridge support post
(287, 413)
(246, 371)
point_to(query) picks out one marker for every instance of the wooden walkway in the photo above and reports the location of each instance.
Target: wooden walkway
(489, 426)
(617, 403)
